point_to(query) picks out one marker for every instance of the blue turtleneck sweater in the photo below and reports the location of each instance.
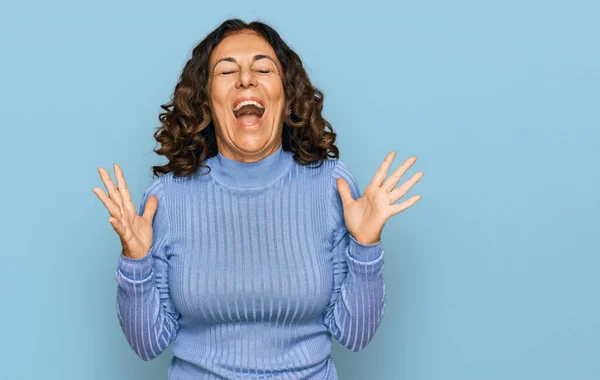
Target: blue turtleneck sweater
(250, 273)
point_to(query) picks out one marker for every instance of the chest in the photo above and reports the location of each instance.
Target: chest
(252, 257)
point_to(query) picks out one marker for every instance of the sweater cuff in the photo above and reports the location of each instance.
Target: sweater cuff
(136, 269)
(364, 252)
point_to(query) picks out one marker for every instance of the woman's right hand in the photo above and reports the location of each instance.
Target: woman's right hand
(134, 231)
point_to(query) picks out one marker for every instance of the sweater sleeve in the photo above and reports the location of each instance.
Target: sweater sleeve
(358, 300)
(145, 310)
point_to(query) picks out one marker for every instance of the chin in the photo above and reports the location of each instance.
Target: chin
(252, 146)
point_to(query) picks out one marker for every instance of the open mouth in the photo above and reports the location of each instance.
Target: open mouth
(248, 112)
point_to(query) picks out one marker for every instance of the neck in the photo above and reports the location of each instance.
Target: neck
(247, 175)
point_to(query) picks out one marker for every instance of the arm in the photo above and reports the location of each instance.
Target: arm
(358, 301)
(146, 313)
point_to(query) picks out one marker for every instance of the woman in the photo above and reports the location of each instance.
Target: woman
(253, 247)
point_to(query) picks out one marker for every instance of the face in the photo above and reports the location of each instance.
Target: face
(243, 67)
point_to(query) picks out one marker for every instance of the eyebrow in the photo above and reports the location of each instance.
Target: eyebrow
(254, 59)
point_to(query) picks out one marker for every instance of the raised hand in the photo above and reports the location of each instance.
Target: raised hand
(366, 216)
(134, 231)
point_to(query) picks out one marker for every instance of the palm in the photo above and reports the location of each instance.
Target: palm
(140, 231)
(134, 230)
(366, 216)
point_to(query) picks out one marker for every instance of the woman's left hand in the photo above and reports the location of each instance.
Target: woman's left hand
(366, 216)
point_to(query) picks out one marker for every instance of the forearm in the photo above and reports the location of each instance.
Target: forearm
(148, 327)
(360, 303)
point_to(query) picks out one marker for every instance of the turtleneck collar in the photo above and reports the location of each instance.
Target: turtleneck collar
(247, 175)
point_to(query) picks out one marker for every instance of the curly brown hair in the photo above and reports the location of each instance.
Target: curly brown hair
(187, 134)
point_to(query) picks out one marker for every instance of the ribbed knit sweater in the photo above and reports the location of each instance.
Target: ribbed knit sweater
(251, 272)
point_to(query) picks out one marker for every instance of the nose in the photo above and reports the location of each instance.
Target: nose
(246, 78)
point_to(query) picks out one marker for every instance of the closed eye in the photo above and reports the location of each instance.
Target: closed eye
(260, 71)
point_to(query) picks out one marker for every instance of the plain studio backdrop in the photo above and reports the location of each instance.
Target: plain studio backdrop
(493, 274)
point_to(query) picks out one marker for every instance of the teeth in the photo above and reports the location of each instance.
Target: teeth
(246, 102)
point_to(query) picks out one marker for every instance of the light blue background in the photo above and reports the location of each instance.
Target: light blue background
(492, 275)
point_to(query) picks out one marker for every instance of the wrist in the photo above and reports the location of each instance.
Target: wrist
(366, 240)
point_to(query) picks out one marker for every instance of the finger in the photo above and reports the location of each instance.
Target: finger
(124, 190)
(381, 173)
(344, 191)
(150, 208)
(397, 208)
(393, 179)
(399, 192)
(113, 209)
(113, 193)
(118, 227)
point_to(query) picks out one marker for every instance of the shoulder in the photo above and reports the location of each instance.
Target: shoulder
(340, 170)
(160, 186)
(168, 183)
(327, 172)
(336, 210)
(331, 169)
(154, 188)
